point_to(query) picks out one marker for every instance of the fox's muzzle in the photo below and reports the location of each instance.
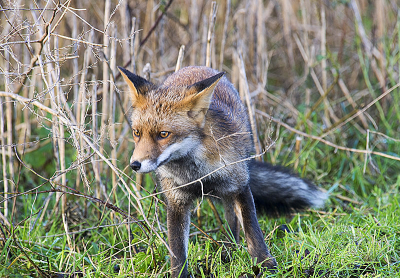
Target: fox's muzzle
(144, 166)
(145, 160)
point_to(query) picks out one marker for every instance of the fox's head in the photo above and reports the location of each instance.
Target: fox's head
(167, 121)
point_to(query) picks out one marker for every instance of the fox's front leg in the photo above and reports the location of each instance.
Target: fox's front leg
(231, 218)
(246, 211)
(178, 221)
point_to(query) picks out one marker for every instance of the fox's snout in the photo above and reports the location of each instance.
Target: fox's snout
(135, 165)
(147, 158)
(143, 166)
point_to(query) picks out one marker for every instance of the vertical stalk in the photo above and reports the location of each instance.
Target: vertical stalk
(105, 102)
(9, 122)
(26, 130)
(113, 53)
(125, 20)
(323, 64)
(80, 118)
(261, 45)
(181, 54)
(210, 36)
(132, 46)
(223, 41)
(3, 156)
(204, 41)
(75, 66)
(60, 139)
(287, 30)
(380, 33)
(246, 91)
(194, 31)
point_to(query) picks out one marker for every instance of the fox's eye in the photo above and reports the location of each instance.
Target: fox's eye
(164, 134)
(136, 133)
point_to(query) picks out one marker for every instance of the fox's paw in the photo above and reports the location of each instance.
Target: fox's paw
(270, 264)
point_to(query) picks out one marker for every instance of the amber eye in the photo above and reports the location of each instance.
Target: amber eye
(136, 133)
(164, 134)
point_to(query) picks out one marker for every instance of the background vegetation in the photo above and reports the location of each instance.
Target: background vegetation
(320, 78)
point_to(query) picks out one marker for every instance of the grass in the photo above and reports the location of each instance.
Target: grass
(63, 216)
(350, 241)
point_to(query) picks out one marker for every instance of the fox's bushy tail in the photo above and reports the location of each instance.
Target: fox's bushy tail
(276, 190)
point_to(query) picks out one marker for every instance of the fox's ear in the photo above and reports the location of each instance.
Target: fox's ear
(203, 91)
(200, 95)
(137, 85)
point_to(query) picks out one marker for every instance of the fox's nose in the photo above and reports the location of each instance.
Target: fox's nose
(135, 165)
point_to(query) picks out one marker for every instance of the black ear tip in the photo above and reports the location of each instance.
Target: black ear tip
(214, 78)
(218, 76)
(131, 76)
(201, 85)
(125, 71)
(141, 84)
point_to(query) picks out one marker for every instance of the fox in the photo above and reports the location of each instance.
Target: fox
(194, 132)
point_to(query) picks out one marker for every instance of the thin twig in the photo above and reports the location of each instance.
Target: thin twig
(207, 235)
(77, 40)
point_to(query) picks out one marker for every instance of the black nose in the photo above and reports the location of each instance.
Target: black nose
(135, 165)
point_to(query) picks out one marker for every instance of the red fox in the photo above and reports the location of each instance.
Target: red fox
(194, 127)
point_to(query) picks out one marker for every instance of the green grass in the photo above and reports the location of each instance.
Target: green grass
(360, 239)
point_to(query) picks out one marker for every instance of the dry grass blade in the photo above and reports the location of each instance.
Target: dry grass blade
(180, 58)
(224, 35)
(250, 108)
(210, 36)
(3, 156)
